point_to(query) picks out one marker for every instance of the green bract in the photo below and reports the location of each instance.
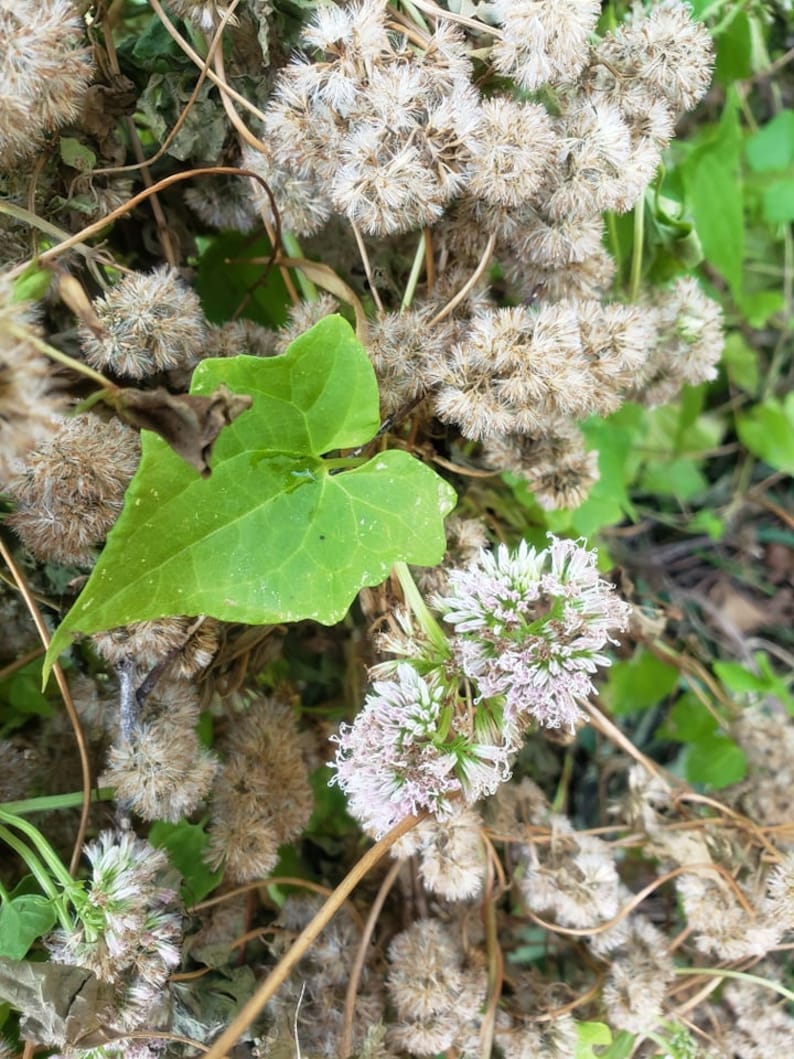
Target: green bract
(277, 533)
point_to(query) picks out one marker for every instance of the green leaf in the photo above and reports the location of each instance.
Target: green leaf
(758, 306)
(678, 478)
(32, 284)
(589, 1034)
(772, 147)
(768, 432)
(277, 533)
(777, 202)
(76, 154)
(743, 681)
(154, 49)
(23, 919)
(688, 720)
(705, 521)
(711, 176)
(736, 677)
(741, 362)
(735, 51)
(226, 280)
(639, 683)
(185, 844)
(609, 501)
(715, 760)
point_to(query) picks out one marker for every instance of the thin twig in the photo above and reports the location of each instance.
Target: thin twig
(74, 719)
(367, 266)
(454, 302)
(346, 1039)
(254, 1006)
(98, 226)
(192, 54)
(183, 114)
(614, 734)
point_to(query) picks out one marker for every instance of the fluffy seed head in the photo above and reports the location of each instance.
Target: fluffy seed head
(543, 40)
(262, 797)
(665, 48)
(514, 149)
(161, 772)
(151, 322)
(44, 72)
(71, 489)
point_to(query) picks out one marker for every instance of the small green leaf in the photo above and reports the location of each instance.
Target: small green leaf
(743, 681)
(772, 147)
(76, 154)
(737, 677)
(688, 720)
(735, 51)
(227, 280)
(609, 501)
(768, 432)
(758, 306)
(777, 202)
(705, 521)
(23, 919)
(741, 362)
(714, 193)
(678, 478)
(32, 284)
(185, 845)
(715, 760)
(639, 683)
(589, 1034)
(277, 533)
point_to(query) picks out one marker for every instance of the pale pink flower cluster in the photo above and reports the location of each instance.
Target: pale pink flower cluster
(530, 631)
(404, 753)
(128, 927)
(532, 626)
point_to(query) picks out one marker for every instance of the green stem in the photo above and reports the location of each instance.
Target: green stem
(614, 241)
(24, 335)
(4, 894)
(415, 15)
(39, 873)
(742, 976)
(635, 277)
(21, 214)
(413, 279)
(427, 622)
(48, 802)
(42, 846)
(293, 248)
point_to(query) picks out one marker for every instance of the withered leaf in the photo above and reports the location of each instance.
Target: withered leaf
(189, 423)
(59, 1004)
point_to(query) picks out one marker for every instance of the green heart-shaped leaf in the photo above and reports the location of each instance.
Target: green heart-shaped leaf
(278, 532)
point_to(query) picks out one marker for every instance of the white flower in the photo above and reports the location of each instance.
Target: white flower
(531, 626)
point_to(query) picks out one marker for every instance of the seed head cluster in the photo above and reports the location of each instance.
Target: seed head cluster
(45, 69)
(150, 322)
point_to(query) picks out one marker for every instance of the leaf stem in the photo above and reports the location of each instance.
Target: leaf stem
(414, 599)
(24, 335)
(41, 845)
(39, 872)
(742, 976)
(49, 802)
(635, 277)
(413, 278)
(293, 249)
